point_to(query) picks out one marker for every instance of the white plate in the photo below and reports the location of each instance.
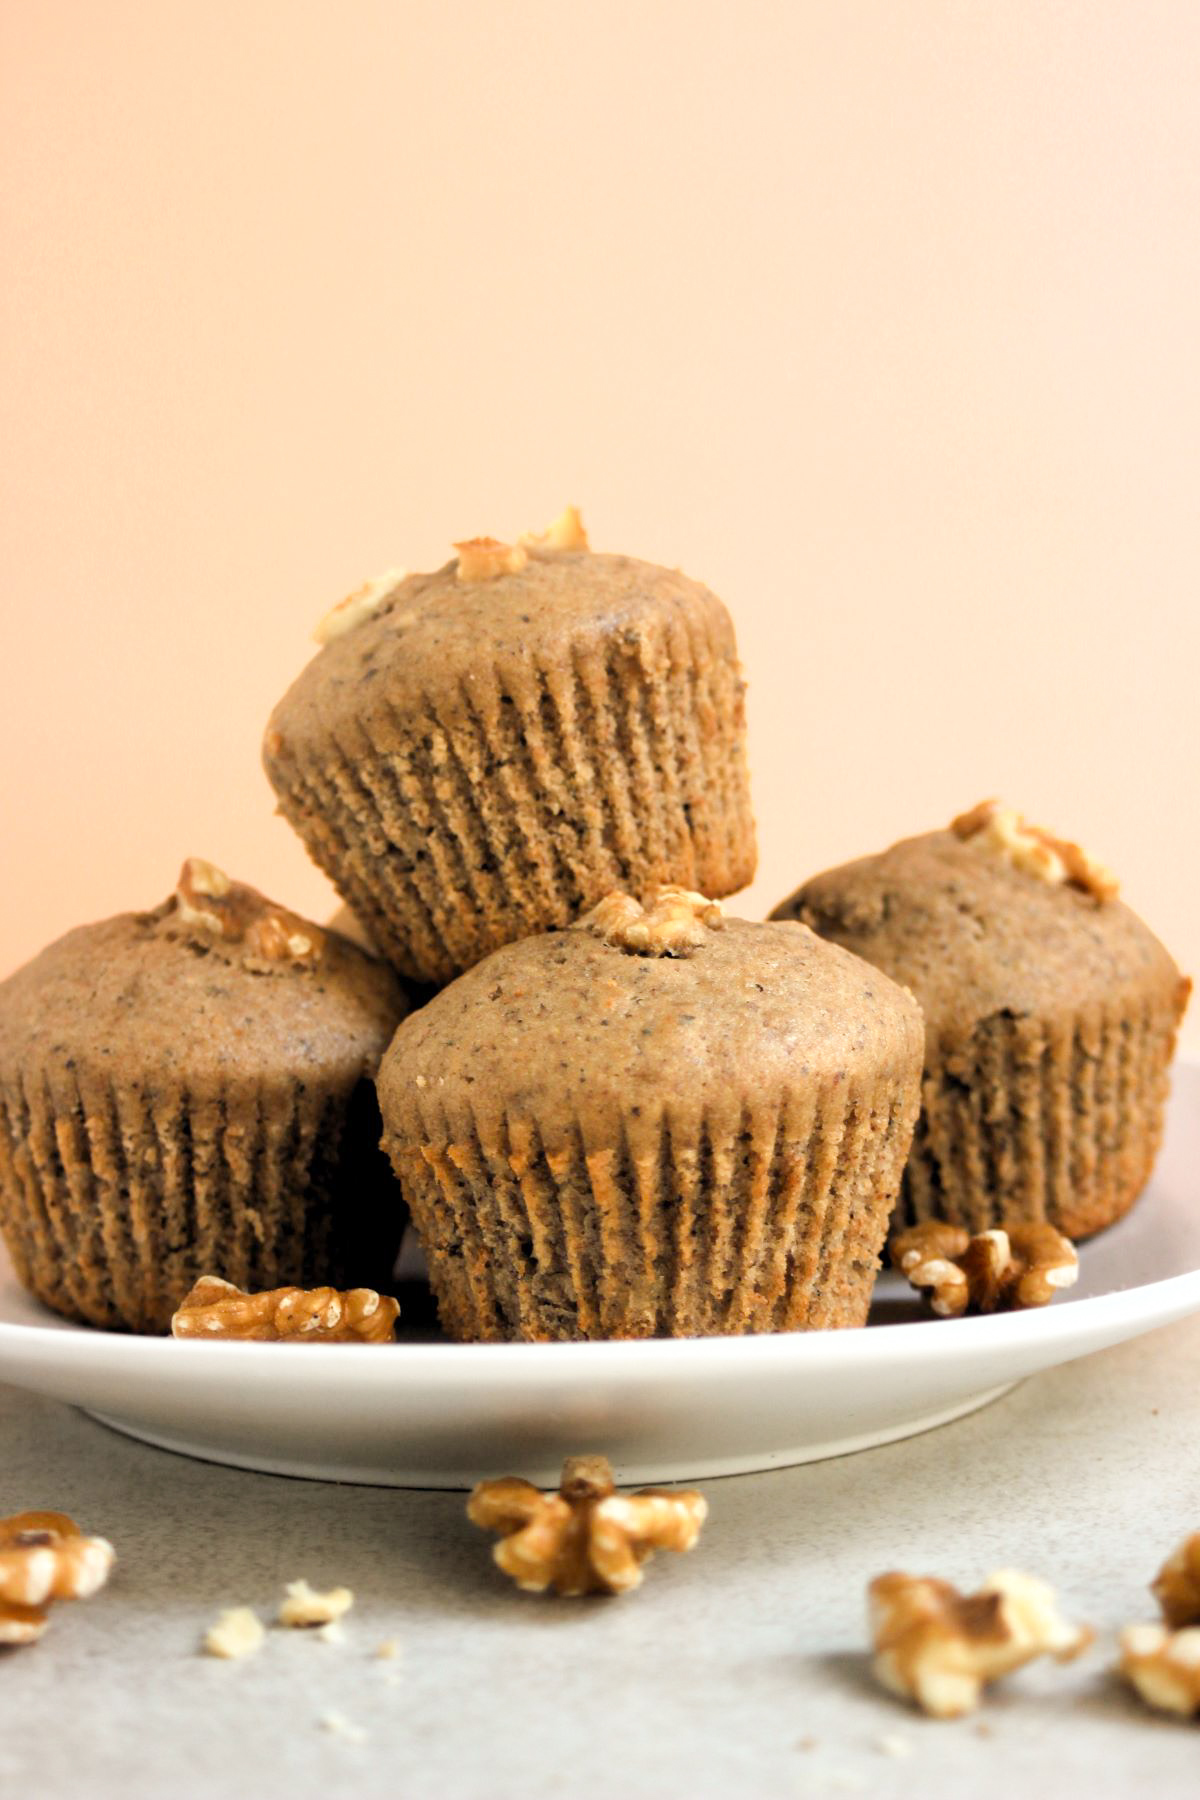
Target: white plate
(443, 1415)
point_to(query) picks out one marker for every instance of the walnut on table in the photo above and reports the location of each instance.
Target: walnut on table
(216, 1309)
(939, 1647)
(671, 921)
(1164, 1666)
(45, 1557)
(586, 1538)
(1176, 1587)
(994, 1271)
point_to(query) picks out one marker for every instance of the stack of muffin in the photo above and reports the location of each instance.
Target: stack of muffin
(612, 1110)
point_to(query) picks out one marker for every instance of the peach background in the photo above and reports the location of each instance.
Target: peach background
(882, 318)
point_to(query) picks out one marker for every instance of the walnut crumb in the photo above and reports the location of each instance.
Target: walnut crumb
(586, 1538)
(485, 558)
(235, 1633)
(303, 1606)
(45, 1557)
(211, 906)
(995, 1271)
(361, 604)
(939, 1647)
(338, 1725)
(388, 1650)
(1176, 1587)
(1003, 832)
(216, 1309)
(670, 922)
(564, 533)
(1164, 1666)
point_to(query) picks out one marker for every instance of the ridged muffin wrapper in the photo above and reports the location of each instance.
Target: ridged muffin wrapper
(506, 806)
(114, 1199)
(751, 1217)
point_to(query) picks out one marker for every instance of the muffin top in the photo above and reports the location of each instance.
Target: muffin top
(663, 1008)
(462, 641)
(216, 984)
(990, 915)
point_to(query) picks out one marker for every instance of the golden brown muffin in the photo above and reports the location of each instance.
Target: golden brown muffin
(1050, 1019)
(656, 1123)
(185, 1092)
(478, 754)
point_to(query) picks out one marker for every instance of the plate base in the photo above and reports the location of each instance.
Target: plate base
(632, 1472)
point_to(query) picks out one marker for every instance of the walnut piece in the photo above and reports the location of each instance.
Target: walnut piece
(1164, 1666)
(236, 1632)
(585, 1539)
(45, 1557)
(1002, 831)
(212, 906)
(216, 1309)
(939, 1647)
(995, 1271)
(302, 1606)
(1176, 1587)
(484, 558)
(671, 922)
(564, 533)
(356, 607)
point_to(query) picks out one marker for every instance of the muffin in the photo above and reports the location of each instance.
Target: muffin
(185, 1092)
(1050, 1019)
(481, 753)
(657, 1123)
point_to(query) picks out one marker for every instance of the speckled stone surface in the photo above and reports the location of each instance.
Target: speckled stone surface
(738, 1669)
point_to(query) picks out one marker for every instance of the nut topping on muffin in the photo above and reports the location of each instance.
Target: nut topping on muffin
(939, 1647)
(218, 1309)
(207, 901)
(995, 1271)
(586, 1539)
(356, 607)
(567, 532)
(1004, 832)
(671, 922)
(484, 558)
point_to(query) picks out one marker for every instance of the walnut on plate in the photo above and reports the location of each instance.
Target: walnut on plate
(44, 1557)
(1164, 1666)
(671, 921)
(1176, 1587)
(586, 1538)
(216, 1309)
(1003, 832)
(939, 1647)
(995, 1271)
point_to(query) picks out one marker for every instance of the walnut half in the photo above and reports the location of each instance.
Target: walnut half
(995, 1271)
(1003, 832)
(939, 1647)
(216, 1309)
(671, 922)
(214, 909)
(1164, 1666)
(44, 1557)
(1176, 1587)
(586, 1538)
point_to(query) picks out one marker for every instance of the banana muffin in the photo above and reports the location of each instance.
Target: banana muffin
(480, 753)
(659, 1122)
(186, 1092)
(1050, 1018)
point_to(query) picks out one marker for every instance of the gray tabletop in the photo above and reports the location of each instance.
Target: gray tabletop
(739, 1668)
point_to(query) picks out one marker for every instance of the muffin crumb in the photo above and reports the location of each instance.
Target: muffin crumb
(235, 1633)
